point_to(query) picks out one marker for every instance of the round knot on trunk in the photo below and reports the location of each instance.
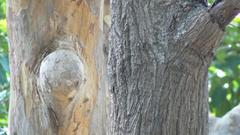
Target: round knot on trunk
(61, 74)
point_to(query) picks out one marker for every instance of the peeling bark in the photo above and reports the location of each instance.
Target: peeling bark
(58, 83)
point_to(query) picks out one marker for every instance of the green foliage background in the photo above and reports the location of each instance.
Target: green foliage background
(4, 70)
(224, 73)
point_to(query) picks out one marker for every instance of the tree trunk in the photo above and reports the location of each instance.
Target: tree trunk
(58, 67)
(156, 82)
(160, 52)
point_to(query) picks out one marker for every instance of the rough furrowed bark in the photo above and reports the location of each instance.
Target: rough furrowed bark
(57, 67)
(159, 55)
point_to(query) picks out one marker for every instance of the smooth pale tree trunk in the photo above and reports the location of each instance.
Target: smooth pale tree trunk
(155, 80)
(58, 67)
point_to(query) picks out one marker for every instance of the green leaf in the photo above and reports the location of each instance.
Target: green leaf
(3, 25)
(4, 62)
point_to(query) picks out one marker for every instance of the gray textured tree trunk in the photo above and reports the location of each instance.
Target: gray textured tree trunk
(160, 51)
(158, 58)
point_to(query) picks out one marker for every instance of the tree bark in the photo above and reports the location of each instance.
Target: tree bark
(155, 81)
(160, 52)
(57, 58)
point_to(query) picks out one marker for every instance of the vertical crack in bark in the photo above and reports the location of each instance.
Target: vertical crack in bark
(53, 118)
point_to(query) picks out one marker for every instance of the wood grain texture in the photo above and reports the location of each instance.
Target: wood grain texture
(37, 30)
(158, 60)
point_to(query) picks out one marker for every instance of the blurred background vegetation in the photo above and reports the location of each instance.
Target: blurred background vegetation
(224, 73)
(4, 70)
